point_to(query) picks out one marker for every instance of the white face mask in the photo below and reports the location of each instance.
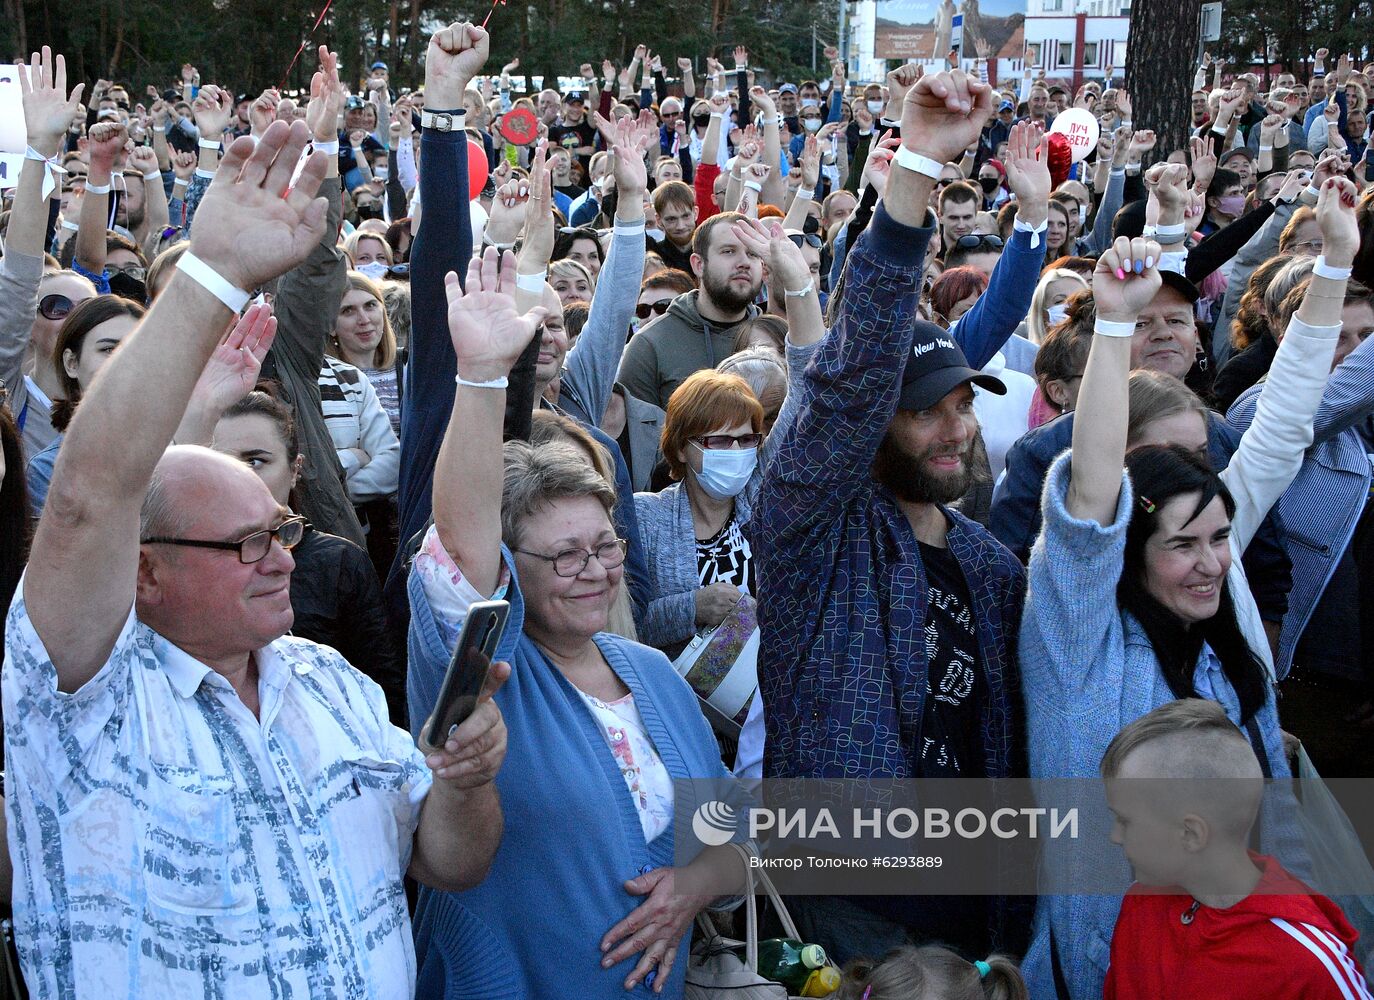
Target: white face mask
(876, 107)
(374, 269)
(1057, 314)
(810, 102)
(811, 124)
(725, 473)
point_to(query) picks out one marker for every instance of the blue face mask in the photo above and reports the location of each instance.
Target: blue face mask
(724, 473)
(374, 269)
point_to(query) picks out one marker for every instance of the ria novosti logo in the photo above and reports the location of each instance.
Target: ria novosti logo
(715, 823)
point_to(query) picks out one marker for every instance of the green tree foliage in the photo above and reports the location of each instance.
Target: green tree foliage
(1254, 29)
(248, 44)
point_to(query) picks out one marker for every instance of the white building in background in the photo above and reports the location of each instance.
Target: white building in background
(1071, 40)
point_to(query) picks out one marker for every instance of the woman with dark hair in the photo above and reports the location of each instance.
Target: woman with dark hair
(88, 337)
(582, 245)
(1136, 593)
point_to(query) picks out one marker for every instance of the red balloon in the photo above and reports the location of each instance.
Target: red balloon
(477, 169)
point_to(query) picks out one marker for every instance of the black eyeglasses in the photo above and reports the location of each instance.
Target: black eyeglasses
(571, 562)
(644, 309)
(251, 548)
(55, 306)
(809, 239)
(136, 271)
(976, 241)
(721, 442)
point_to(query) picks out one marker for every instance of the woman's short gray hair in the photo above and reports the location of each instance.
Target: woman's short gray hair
(538, 475)
(761, 367)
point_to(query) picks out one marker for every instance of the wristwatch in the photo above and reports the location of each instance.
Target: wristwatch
(443, 121)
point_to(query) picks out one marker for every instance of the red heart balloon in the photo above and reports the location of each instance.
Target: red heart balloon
(477, 169)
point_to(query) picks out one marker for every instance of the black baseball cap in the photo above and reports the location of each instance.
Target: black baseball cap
(1180, 284)
(936, 367)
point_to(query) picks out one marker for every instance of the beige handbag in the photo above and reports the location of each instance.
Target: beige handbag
(715, 971)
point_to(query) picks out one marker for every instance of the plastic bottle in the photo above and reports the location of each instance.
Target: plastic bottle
(788, 961)
(821, 983)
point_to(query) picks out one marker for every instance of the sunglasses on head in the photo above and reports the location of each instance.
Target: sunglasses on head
(645, 309)
(974, 241)
(808, 239)
(55, 306)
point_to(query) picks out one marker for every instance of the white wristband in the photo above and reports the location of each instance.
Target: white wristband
(1176, 230)
(1127, 123)
(153, 175)
(181, 182)
(1107, 328)
(68, 224)
(800, 292)
(532, 282)
(1313, 190)
(331, 147)
(754, 186)
(159, 128)
(806, 194)
(717, 114)
(208, 144)
(213, 282)
(496, 383)
(1324, 270)
(205, 175)
(97, 188)
(1266, 149)
(629, 228)
(923, 165)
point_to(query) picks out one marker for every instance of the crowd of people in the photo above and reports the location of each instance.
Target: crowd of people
(827, 429)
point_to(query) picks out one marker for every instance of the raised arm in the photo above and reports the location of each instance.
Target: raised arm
(1272, 449)
(442, 244)
(811, 176)
(488, 335)
(82, 568)
(143, 161)
(773, 189)
(983, 330)
(852, 385)
(48, 110)
(106, 145)
(589, 371)
(1126, 279)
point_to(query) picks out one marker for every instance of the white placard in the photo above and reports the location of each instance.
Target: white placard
(13, 134)
(1080, 128)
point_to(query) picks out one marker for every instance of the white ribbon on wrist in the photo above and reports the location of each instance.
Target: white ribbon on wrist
(331, 147)
(1110, 328)
(1324, 270)
(213, 282)
(208, 144)
(532, 282)
(52, 167)
(911, 160)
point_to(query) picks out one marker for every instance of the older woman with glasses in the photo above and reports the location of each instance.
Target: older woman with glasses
(599, 727)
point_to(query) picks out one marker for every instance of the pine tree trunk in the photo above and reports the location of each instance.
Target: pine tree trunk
(1159, 68)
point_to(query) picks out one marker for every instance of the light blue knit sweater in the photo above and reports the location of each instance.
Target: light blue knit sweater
(1087, 670)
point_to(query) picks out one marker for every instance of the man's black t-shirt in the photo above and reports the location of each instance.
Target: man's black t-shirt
(951, 736)
(572, 137)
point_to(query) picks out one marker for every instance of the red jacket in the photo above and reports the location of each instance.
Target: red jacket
(1282, 941)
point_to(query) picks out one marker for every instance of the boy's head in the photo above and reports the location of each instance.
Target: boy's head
(1200, 794)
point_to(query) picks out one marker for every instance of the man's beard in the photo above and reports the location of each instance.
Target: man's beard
(908, 479)
(132, 218)
(724, 295)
